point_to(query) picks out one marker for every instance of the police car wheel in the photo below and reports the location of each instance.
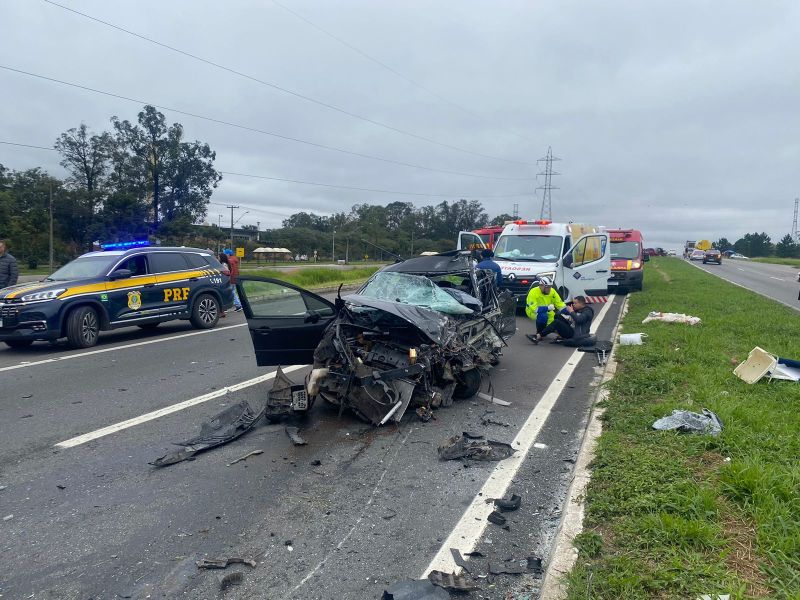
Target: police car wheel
(18, 343)
(205, 312)
(83, 327)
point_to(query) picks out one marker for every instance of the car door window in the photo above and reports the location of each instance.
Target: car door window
(587, 250)
(319, 307)
(196, 261)
(167, 262)
(268, 299)
(137, 265)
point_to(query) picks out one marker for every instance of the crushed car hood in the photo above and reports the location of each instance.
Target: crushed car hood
(431, 323)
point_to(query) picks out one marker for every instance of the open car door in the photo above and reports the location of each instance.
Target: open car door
(469, 241)
(286, 322)
(587, 266)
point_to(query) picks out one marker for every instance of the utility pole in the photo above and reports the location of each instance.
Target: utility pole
(795, 231)
(258, 231)
(333, 248)
(232, 209)
(515, 214)
(51, 226)
(546, 212)
(347, 252)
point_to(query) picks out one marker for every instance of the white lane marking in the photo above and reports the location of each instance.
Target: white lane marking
(93, 435)
(470, 527)
(740, 268)
(493, 399)
(777, 278)
(45, 361)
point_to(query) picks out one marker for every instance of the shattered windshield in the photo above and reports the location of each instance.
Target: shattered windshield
(535, 248)
(412, 289)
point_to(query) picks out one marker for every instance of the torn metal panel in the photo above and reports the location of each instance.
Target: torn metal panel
(451, 581)
(459, 446)
(294, 435)
(286, 396)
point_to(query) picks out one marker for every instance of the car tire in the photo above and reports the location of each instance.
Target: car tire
(468, 383)
(18, 343)
(83, 327)
(149, 326)
(205, 312)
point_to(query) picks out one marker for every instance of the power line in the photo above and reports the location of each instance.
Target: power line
(395, 72)
(285, 90)
(362, 189)
(261, 131)
(329, 185)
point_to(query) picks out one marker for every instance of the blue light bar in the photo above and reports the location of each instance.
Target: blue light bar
(125, 245)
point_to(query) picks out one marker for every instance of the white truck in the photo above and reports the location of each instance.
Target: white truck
(576, 256)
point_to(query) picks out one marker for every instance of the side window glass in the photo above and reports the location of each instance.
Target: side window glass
(321, 308)
(588, 250)
(137, 265)
(273, 300)
(578, 252)
(167, 262)
(196, 261)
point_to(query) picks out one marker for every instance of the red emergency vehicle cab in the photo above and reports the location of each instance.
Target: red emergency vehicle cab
(627, 259)
(489, 234)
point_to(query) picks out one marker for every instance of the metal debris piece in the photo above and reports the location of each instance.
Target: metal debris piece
(508, 504)
(424, 413)
(294, 435)
(231, 423)
(496, 518)
(490, 421)
(230, 579)
(459, 560)
(222, 563)
(415, 589)
(507, 568)
(535, 564)
(460, 446)
(246, 456)
(286, 396)
(451, 581)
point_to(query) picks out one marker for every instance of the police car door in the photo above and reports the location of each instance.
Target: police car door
(286, 322)
(587, 266)
(131, 291)
(174, 281)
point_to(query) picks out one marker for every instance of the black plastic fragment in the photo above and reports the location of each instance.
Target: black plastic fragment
(496, 518)
(415, 589)
(508, 504)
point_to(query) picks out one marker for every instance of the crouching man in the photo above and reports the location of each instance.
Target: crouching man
(573, 325)
(541, 305)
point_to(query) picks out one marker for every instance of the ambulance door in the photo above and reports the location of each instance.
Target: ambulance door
(586, 266)
(469, 241)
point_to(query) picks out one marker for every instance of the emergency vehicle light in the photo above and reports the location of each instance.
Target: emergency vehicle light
(125, 245)
(536, 222)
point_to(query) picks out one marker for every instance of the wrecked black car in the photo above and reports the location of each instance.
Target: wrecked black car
(418, 333)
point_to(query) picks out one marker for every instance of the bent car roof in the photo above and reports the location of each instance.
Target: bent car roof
(456, 261)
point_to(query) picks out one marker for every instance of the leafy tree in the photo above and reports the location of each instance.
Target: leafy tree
(787, 247)
(501, 219)
(722, 244)
(754, 244)
(85, 157)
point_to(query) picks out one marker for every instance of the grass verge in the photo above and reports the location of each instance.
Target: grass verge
(792, 262)
(314, 277)
(676, 516)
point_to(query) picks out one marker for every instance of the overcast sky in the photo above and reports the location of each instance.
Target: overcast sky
(681, 119)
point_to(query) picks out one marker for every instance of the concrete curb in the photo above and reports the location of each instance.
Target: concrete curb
(564, 555)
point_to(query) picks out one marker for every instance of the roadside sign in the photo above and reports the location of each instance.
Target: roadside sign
(240, 252)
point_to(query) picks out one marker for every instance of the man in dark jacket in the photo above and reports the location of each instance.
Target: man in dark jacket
(8, 267)
(575, 324)
(489, 264)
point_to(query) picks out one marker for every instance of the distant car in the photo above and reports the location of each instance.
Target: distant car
(650, 252)
(671, 253)
(738, 256)
(712, 255)
(697, 255)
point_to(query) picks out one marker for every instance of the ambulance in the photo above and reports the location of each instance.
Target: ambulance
(576, 256)
(627, 259)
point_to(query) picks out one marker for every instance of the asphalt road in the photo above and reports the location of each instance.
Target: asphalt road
(778, 282)
(95, 520)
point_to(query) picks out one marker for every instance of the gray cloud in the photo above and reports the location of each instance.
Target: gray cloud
(677, 118)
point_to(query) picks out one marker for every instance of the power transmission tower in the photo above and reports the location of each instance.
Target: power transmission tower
(546, 212)
(795, 231)
(515, 214)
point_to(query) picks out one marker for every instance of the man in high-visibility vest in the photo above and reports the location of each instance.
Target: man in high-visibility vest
(541, 305)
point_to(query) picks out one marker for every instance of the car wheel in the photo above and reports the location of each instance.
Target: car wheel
(205, 312)
(83, 327)
(468, 383)
(149, 326)
(18, 343)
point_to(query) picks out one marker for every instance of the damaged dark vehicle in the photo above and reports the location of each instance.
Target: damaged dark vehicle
(419, 333)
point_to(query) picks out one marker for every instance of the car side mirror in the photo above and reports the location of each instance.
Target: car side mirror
(567, 260)
(645, 258)
(312, 316)
(121, 274)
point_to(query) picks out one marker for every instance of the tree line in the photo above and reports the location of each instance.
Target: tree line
(760, 244)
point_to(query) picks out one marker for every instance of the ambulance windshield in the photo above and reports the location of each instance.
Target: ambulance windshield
(535, 248)
(626, 250)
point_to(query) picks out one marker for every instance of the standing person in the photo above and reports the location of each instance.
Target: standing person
(233, 264)
(9, 273)
(489, 264)
(541, 305)
(574, 326)
(226, 270)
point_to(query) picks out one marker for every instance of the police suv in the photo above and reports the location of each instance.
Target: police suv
(125, 284)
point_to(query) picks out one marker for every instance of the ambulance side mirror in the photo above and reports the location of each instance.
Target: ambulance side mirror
(645, 257)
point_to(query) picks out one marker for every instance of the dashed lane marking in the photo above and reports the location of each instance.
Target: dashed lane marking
(167, 410)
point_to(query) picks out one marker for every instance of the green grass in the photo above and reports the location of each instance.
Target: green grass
(315, 277)
(667, 515)
(792, 262)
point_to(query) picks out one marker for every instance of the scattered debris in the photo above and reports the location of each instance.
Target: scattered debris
(761, 363)
(231, 423)
(61, 487)
(690, 422)
(507, 568)
(8, 517)
(459, 560)
(451, 581)
(535, 565)
(508, 504)
(316, 462)
(390, 515)
(286, 397)
(459, 446)
(230, 579)
(246, 456)
(425, 413)
(715, 597)
(632, 339)
(222, 563)
(476, 553)
(496, 518)
(540, 446)
(671, 318)
(26, 416)
(415, 589)
(486, 420)
(493, 399)
(294, 435)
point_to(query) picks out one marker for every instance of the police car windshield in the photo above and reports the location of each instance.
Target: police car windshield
(85, 267)
(535, 248)
(627, 250)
